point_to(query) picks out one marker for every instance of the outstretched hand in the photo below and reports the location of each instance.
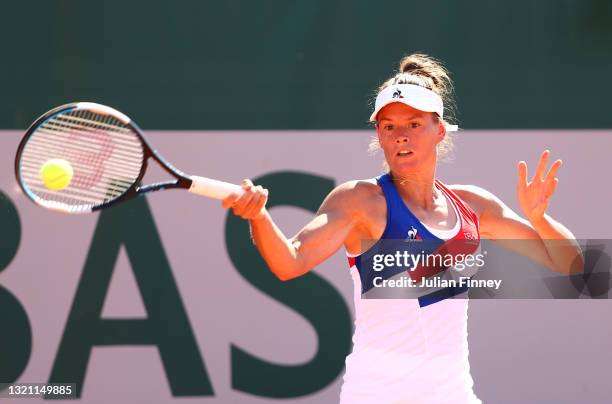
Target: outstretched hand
(535, 195)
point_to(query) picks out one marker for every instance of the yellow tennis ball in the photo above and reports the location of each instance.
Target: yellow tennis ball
(56, 174)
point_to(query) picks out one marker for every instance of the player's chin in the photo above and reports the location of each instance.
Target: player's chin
(403, 164)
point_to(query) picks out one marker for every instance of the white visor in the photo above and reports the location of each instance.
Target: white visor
(414, 96)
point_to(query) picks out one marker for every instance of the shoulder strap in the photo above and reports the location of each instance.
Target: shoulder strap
(463, 208)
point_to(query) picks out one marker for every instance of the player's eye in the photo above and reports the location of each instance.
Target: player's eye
(414, 124)
(388, 127)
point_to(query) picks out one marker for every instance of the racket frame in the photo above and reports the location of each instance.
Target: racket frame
(183, 181)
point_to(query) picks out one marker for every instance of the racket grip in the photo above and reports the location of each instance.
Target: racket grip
(213, 188)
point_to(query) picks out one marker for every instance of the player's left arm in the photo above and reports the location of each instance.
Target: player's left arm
(539, 236)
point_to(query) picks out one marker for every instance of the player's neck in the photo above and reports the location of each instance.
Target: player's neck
(417, 188)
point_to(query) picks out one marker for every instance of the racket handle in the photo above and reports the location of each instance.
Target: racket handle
(212, 188)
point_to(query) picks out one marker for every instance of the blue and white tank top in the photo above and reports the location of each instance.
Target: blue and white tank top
(412, 349)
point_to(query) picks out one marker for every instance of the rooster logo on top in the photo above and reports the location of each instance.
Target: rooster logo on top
(397, 94)
(412, 234)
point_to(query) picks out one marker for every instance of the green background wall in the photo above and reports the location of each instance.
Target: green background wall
(305, 64)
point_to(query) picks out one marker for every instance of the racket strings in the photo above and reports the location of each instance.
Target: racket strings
(105, 154)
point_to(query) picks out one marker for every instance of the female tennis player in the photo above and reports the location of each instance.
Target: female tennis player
(411, 350)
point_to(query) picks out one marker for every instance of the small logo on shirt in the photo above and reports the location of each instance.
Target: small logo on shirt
(412, 234)
(397, 94)
(468, 235)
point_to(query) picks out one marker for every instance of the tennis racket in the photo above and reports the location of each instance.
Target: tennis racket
(108, 155)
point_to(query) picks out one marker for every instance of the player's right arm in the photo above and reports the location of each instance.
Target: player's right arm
(286, 257)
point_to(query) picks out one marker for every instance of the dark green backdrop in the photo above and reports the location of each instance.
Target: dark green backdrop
(310, 64)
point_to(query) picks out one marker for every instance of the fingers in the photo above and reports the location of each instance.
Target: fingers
(257, 203)
(522, 175)
(551, 181)
(242, 204)
(540, 169)
(534, 195)
(229, 200)
(552, 173)
(542, 164)
(250, 204)
(550, 187)
(246, 184)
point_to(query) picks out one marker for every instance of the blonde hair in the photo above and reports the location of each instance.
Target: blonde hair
(425, 71)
